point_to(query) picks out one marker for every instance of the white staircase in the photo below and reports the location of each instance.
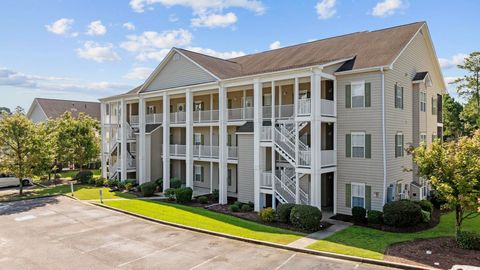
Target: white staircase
(285, 187)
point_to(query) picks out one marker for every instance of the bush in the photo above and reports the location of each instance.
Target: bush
(99, 182)
(246, 208)
(306, 217)
(436, 199)
(159, 183)
(402, 213)
(425, 205)
(91, 182)
(283, 212)
(468, 240)
(128, 186)
(84, 176)
(239, 204)
(233, 208)
(251, 204)
(426, 216)
(169, 193)
(133, 182)
(267, 214)
(375, 217)
(121, 185)
(183, 195)
(359, 214)
(148, 189)
(112, 183)
(175, 183)
(215, 195)
(203, 199)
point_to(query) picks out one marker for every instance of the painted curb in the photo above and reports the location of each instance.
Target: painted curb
(269, 244)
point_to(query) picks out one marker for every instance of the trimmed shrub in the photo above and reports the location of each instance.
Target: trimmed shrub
(251, 204)
(426, 216)
(215, 195)
(91, 182)
(128, 186)
(159, 183)
(306, 217)
(169, 193)
(246, 208)
(148, 189)
(425, 205)
(132, 182)
(233, 208)
(175, 183)
(468, 240)
(374, 217)
(436, 199)
(283, 212)
(84, 176)
(99, 182)
(402, 213)
(203, 199)
(267, 214)
(359, 214)
(183, 195)
(239, 204)
(112, 183)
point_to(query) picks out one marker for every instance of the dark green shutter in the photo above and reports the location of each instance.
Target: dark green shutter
(368, 94)
(396, 143)
(348, 145)
(348, 195)
(368, 197)
(348, 96)
(401, 92)
(203, 179)
(202, 140)
(368, 146)
(395, 93)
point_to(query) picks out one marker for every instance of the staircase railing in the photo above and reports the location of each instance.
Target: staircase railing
(284, 143)
(282, 189)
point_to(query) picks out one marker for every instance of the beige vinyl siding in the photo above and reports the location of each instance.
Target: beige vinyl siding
(245, 168)
(415, 58)
(206, 175)
(179, 71)
(156, 161)
(37, 115)
(178, 169)
(368, 120)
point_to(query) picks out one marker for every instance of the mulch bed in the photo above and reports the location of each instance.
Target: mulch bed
(444, 251)
(417, 228)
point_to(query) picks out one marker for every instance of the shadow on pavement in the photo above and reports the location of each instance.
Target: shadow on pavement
(9, 208)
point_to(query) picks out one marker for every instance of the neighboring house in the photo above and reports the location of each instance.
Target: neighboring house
(323, 123)
(43, 109)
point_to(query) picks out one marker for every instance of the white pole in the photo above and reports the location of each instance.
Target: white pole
(71, 187)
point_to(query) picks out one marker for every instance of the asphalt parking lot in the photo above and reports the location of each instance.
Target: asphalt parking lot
(60, 233)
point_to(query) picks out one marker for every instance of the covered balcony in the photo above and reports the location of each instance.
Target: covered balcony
(205, 108)
(240, 105)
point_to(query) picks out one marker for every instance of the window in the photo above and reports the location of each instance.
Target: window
(107, 109)
(423, 101)
(198, 173)
(197, 139)
(198, 106)
(229, 139)
(358, 195)
(267, 100)
(229, 177)
(180, 107)
(423, 138)
(434, 106)
(398, 97)
(358, 94)
(151, 109)
(358, 144)
(399, 145)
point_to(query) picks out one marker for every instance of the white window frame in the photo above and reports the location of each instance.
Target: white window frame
(181, 105)
(398, 97)
(151, 109)
(362, 185)
(434, 105)
(400, 143)
(197, 105)
(197, 138)
(423, 101)
(357, 133)
(353, 85)
(269, 95)
(423, 137)
(198, 172)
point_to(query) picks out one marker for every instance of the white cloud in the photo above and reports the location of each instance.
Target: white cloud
(129, 26)
(211, 52)
(61, 27)
(138, 73)
(96, 28)
(387, 8)
(201, 6)
(97, 52)
(214, 20)
(173, 18)
(275, 45)
(326, 9)
(457, 59)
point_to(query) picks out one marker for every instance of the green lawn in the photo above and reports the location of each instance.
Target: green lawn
(207, 220)
(370, 243)
(82, 192)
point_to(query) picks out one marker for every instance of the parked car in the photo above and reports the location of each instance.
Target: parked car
(7, 180)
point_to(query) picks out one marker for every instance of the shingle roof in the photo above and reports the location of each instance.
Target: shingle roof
(419, 76)
(54, 108)
(369, 49)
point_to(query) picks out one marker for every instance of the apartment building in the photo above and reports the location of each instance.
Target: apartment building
(323, 123)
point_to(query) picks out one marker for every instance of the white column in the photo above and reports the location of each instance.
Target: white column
(280, 95)
(105, 148)
(297, 153)
(166, 141)
(123, 140)
(189, 139)
(316, 142)
(222, 142)
(335, 192)
(273, 147)
(257, 123)
(142, 153)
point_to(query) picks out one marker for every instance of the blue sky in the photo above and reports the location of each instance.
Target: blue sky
(90, 49)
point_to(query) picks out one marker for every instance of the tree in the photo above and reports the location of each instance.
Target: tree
(452, 124)
(20, 144)
(469, 85)
(77, 139)
(45, 163)
(469, 117)
(453, 169)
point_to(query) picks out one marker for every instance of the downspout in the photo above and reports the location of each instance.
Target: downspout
(384, 138)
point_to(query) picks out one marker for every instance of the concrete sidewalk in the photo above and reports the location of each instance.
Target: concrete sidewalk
(337, 226)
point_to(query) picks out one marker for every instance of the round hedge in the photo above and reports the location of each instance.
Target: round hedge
(403, 213)
(283, 212)
(148, 189)
(425, 205)
(375, 217)
(183, 195)
(306, 217)
(359, 214)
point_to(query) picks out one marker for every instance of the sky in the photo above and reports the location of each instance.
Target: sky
(89, 49)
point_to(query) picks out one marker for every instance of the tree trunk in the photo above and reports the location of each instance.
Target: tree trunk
(458, 219)
(21, 186)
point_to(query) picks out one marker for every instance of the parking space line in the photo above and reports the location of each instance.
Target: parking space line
(286, 261)
(99, 247)
(150, 254)
(205, 262)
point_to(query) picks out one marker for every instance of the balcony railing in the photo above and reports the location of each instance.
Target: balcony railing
(304, 106)
(328, 107)
(284, 111)
(266, 133)
(134, 120)
(205, 116)
(240, 114)
(329, 158)
(304, 158)
(178, 117)
(266, 179)
(232, 152)
(206, 151)
(154, 118)
(178, 150)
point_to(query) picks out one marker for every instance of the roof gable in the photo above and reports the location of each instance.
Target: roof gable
(54, 108)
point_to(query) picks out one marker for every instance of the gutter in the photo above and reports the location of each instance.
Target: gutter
(384, 138)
